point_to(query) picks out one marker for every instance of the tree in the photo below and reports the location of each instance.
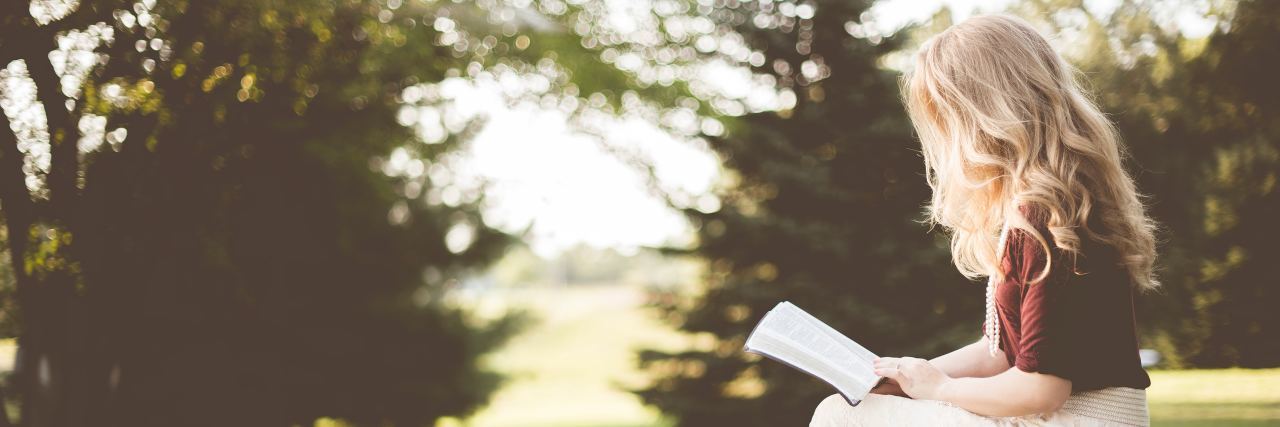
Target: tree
(1240, 199)
(206, 242)
(824, 212)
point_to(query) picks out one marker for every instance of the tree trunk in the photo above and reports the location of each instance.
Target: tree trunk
(18, 213)
(47, 296)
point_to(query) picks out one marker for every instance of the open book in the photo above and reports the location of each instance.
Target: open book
(791, 336)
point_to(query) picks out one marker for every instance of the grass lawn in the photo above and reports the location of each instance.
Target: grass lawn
(571, 369)
(1215, 397)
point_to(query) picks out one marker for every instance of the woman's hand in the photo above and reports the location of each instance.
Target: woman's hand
(918, 378)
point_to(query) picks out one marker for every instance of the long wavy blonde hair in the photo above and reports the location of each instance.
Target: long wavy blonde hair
(1007, 129)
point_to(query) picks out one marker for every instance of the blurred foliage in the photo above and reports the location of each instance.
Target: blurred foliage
(232, 261)
(245, 232)
(823, 206)
(1199, 118)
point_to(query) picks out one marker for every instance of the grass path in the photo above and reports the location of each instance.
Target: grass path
(572, 367)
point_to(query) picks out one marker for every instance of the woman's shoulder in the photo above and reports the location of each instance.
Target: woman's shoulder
(1031, 251)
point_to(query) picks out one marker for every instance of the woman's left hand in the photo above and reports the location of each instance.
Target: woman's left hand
(917, 377)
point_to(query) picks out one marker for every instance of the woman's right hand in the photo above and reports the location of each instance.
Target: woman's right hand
(889, 387)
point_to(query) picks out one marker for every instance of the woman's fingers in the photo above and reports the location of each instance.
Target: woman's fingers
(885, 362)
(909, 364)
(900, 363)
(894, 368)
(891, 373)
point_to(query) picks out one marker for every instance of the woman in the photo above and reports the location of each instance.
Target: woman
(1027, 178)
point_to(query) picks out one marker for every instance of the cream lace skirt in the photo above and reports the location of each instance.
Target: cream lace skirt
(1116, 406)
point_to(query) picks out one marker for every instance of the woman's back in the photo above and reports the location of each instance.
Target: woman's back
(1076, 323)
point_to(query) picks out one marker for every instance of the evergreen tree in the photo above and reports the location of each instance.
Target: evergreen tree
(1234, 299)
(825, 212)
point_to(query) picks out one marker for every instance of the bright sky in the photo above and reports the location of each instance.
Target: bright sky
(539, 174)
(566, 189)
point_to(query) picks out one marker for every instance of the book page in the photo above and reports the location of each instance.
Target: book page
(791, 336)
(862, 359)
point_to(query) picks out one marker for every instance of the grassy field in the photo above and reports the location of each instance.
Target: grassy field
(572, 369)
(1219, 397)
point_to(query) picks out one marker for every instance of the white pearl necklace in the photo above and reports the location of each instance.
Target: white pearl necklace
(993, 320)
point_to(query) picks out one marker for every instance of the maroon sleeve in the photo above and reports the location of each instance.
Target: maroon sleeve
(1042, 345)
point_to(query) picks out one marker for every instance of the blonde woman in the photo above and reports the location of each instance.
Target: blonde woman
(1027, 178)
